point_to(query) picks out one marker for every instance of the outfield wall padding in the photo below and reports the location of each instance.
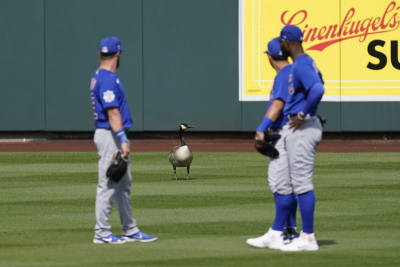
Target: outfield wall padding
(180, 64)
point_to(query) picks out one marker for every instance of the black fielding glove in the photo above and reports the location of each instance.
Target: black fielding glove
(267, 146)
(117, 168)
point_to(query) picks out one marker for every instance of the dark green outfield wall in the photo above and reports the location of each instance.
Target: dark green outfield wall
(180, 64)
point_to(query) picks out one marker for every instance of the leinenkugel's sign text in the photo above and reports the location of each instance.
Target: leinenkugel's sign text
(354, 43)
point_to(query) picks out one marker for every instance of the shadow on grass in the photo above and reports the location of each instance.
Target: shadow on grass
(183, 179)
(322, 243)
(208, 229)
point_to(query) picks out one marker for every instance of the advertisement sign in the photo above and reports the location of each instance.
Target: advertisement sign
(353, 42)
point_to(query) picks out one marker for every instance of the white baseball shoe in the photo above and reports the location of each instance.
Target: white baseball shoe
(110, 239)
(271, 239)
(305, 242)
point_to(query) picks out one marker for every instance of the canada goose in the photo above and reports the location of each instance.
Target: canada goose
(181, 156)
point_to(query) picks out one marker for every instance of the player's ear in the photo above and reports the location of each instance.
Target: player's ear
(271, 61)
(118, 53)
(270, 58)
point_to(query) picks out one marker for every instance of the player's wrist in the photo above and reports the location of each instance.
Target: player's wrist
(121, 135)
(265, 124)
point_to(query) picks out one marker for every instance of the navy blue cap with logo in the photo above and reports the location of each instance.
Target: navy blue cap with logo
(291, 33)
(110, 44)
(274, 48)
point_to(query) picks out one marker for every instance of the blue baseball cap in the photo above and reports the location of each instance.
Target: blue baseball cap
(110, 44)
(274, 48)
(291, 33)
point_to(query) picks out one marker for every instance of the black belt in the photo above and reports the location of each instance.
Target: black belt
(292, 116)
(276, 129)
(321, 118)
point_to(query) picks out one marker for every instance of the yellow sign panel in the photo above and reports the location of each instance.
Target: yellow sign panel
(353, 42)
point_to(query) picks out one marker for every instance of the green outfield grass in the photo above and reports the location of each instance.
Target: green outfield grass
(47, 211)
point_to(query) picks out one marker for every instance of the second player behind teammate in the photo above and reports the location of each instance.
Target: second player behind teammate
(284, 225)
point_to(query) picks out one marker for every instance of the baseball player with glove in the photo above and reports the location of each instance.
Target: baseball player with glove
(302, 133)
(270, 142)
(112, 120)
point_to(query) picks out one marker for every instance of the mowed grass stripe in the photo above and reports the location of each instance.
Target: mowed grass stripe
(47, 211)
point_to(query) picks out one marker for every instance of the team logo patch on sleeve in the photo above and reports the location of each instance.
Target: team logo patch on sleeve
(108, 96)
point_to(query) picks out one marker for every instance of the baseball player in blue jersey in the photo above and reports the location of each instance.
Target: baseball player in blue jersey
(284, 225)
(112, 120)
(302, 133)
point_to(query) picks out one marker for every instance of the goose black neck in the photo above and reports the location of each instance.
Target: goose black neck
(181, 136)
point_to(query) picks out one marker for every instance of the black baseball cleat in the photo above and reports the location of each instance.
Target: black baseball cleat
(289, 233)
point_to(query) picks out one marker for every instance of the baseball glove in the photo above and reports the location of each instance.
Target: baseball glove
(267, 146)
(117, 168)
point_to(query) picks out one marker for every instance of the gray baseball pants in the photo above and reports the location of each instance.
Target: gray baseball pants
(278, 169)
(293, 170)
(108, 192)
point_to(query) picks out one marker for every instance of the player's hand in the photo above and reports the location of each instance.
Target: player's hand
(296, 122)
(259, 135)
(125, 149)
